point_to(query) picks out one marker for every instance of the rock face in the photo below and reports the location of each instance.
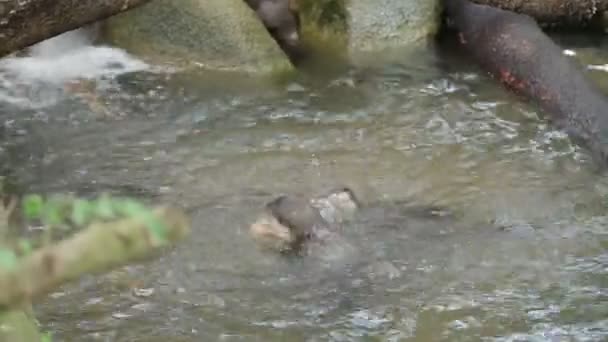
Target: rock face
(227, 34)
(380, 24)
(217, 34)
(361, 26)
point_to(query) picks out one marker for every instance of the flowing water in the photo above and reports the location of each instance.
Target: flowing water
(523, 258)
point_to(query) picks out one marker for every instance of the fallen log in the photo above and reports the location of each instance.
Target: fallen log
(27, 22)
(514, 50)
(555, 13)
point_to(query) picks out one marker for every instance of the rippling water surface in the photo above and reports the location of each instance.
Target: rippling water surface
(523, 258)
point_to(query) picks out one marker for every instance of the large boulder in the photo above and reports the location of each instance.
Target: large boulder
(363, 27)
(381, 24)
(216, 34)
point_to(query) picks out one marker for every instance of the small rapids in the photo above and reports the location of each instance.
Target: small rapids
(523, 257)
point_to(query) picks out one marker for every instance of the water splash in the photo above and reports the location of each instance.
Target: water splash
(39, 79)
(66, 42)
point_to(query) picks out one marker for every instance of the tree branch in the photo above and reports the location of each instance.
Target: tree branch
(554, 12)
(98, 248)
(26, 22)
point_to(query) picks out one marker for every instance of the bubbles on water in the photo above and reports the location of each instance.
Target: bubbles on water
(366, 319)
(94, 301)
(143, 306)
(464, 323)
(143, 292)
(595, 331)
(543, 313)
(121, 315)
(442, 86)
(295, 88)
(551, 144)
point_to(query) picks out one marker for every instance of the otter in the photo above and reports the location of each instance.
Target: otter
(289, 222)
(282, 20)
(514, 49)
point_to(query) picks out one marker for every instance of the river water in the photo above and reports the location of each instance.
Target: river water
(523, 257)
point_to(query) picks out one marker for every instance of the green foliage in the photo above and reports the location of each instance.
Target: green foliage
(104, 207)
(46, 337)
(52, 214)
(81, 212)
(8, 259)
(32, 206)
(67, 213)
(130, 208)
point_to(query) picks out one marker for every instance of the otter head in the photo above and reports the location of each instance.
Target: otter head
(289, 222)
(286, 223)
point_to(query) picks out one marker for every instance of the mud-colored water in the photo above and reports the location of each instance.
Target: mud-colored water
(524, 258)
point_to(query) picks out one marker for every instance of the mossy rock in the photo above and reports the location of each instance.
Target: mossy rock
(214, 34)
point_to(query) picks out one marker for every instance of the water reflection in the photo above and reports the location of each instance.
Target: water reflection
(522, 258)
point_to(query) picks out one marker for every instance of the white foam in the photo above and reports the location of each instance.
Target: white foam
(600, 67)
(65, 42)
(83, 62)
(38, 80)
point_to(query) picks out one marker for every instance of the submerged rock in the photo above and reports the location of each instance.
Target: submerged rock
(217, 34)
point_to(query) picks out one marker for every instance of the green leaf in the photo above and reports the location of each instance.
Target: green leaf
(130, 208)
(156, 227)
(134, 209)
(104, 207)
(8, 259)
(32, 206)
(46, 337)
(81, 212)
(52, 214)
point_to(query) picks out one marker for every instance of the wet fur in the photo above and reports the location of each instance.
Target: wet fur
(297, 214)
